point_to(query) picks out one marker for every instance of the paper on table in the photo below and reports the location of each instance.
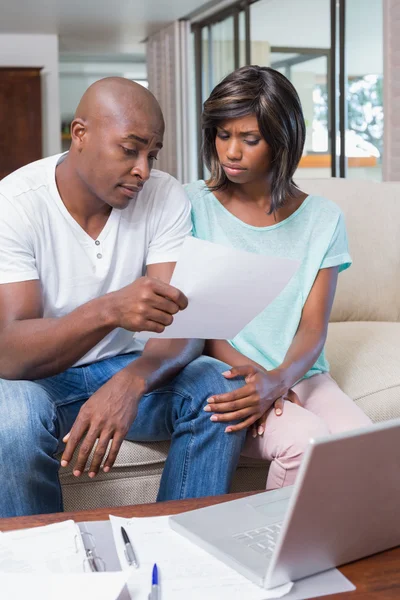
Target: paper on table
(72, 586)
(226, 288)
(8, 562)
(56, 548)
(186, 571)
(322, 584)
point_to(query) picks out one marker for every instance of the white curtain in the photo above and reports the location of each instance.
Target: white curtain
(391, 95)
(171, 79)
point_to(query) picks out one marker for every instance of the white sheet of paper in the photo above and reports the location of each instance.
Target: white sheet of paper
(56, 548)
(322, 584)
(185, 570)
(72, 586)
(226, 288)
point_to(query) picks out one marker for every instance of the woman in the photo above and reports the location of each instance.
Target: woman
(253, 140)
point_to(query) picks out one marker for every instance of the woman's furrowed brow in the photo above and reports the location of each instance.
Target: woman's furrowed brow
(250, 132)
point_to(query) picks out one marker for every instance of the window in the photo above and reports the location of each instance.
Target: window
(338, 78)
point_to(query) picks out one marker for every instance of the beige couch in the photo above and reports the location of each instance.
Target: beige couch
(363, 344)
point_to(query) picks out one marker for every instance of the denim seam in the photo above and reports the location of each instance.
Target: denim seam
(54, 420)
(55, 432)
(188, 449)
(61, 403)
(186, 462)
(86, 379)
(170, 391)
(54, 408)
(186, 396)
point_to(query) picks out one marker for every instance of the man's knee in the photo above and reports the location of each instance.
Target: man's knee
(204, 378)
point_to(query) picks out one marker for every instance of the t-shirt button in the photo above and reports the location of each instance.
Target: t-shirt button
(97, 243)
(99, 255)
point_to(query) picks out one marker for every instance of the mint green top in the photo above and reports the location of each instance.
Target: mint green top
(315, 234)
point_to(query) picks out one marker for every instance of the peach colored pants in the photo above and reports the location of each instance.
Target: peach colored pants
(325, 409)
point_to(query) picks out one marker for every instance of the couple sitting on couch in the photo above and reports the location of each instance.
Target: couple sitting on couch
(88, 243)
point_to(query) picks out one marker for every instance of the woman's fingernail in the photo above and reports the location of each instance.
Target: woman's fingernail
(226, 373)
(254, 433)
(214, 418)
(278, 411)
(207, 408)
(228, 430)
(106, 469)
(210, 400)
(77, 473)
(92, 474)
(260, 430)
(64, 463)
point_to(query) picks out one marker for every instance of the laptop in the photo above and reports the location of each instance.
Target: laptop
(343, 506)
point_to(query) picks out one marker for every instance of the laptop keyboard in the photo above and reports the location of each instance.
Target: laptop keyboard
(262, 539)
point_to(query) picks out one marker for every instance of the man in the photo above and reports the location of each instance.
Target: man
(77, 233)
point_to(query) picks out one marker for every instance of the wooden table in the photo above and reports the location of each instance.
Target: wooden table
(376, 577)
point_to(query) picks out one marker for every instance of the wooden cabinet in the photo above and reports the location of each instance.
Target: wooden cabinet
(20, 118)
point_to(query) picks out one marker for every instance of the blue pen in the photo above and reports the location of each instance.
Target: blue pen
(155, 588)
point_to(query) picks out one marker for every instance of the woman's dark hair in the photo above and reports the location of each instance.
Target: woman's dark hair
(271, 97)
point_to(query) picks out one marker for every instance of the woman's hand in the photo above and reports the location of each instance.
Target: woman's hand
(249, 402)
(259, 427)
(291, 396)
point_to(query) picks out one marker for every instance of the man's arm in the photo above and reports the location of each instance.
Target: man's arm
(162, 359)
(112, 409)
(32, 347)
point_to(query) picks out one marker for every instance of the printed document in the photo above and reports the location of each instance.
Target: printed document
(56, 548)
(226, 289)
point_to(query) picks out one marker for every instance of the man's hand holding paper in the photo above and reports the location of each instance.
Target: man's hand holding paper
(226, 289)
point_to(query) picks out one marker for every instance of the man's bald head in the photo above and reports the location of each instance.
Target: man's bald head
(114, 99)
(117, 133)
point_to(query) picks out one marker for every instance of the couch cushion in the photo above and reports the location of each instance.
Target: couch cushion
(144, 457)
(364, 359)
(128, 488)
(139, 485)
(135, 478)
(370, 289)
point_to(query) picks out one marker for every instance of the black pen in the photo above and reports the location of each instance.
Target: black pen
(129, 553)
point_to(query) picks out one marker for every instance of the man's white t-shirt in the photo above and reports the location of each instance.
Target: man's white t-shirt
(39, 239)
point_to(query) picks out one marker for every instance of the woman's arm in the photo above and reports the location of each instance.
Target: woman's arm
(262, 387)
(311, 335)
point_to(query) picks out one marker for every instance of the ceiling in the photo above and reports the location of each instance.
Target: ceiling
(104, 30)
(92, 26)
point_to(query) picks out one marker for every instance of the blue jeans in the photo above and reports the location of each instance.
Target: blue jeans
(35, 416)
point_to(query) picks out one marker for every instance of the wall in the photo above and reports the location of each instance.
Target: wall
(20, 50)
(391, 95)
(76, 77)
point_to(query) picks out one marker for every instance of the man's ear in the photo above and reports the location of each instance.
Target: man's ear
(78, 132)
